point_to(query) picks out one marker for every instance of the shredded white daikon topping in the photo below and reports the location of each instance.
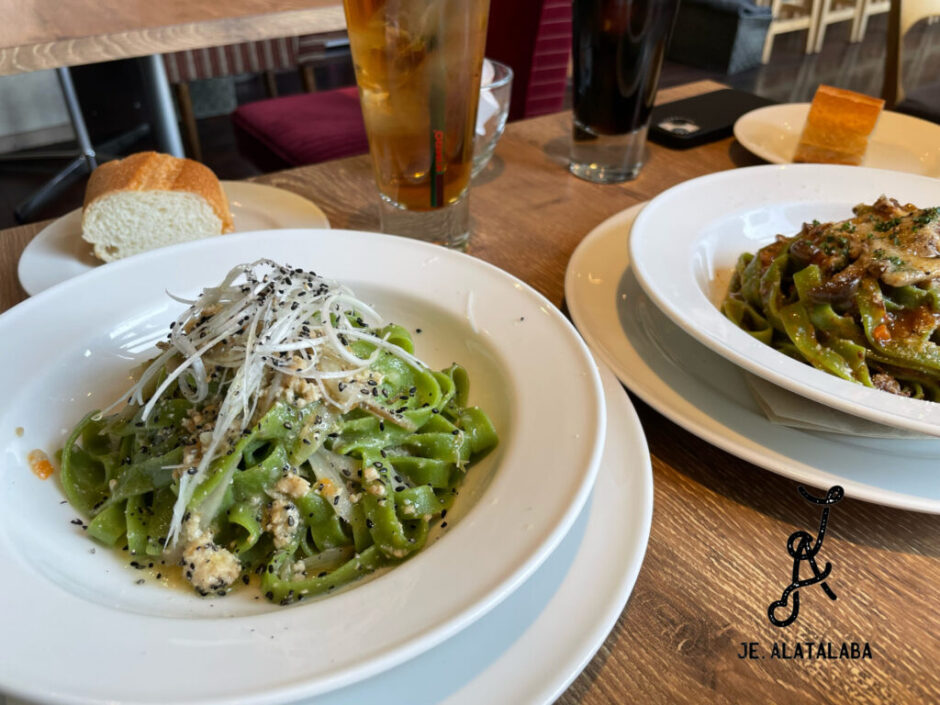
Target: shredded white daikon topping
(263, 322)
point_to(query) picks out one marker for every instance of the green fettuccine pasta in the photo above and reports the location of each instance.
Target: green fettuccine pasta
(304, 443)
(859, 299)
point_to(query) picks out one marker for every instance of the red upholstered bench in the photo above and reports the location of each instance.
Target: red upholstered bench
(301, 129)
(532, 36)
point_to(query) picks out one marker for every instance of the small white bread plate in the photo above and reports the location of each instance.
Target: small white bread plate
(706, 394)
(900, 142)
(78, 629)
(685, 243)
(58, 252)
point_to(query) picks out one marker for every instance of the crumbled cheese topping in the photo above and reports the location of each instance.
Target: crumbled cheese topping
(209, 567)
(282, 521)
(298, 392)
(292, 485)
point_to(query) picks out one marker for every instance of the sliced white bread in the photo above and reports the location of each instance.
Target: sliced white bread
(150, 200)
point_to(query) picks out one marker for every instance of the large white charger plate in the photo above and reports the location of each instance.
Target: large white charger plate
(512, 654)
(58, 252)
(78, 629)
(685, 243)
(900, 142)
(706, 394)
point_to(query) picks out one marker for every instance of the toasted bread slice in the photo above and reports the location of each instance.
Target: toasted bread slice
(150, 200)
(838, 127)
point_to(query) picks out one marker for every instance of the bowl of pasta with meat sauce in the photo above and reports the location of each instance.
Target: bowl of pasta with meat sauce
(824, 280)
(301, 456)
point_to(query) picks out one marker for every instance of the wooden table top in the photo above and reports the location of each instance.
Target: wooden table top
(717, 549)
(45, 34)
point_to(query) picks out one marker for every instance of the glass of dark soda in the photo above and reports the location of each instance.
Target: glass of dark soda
(618, 48)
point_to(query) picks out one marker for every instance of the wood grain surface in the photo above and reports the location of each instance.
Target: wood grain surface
(717, 552)
(43, 34)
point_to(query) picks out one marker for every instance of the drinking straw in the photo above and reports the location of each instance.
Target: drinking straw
(437, 111)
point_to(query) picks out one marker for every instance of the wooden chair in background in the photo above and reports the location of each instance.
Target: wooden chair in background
(924, 101)
(816, 16)
(265, 57)
(792, 16)
(869, 8)
(833, 11)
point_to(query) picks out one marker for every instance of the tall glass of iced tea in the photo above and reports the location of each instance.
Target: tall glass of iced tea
(418, 65)
(618, 49)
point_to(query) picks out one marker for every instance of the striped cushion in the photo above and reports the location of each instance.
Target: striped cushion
(534, 38)
(549, 75)
(313, 48)
(232, 60)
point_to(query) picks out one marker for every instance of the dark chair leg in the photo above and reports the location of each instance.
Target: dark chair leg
(79, 166)
(190, 132)
(308, 79)
(270, 84)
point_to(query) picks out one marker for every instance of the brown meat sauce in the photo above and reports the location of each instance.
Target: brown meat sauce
(897, 244)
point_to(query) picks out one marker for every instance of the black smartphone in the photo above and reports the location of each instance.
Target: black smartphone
(704, 118)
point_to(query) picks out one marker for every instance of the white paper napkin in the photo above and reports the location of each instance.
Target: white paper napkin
(788, 409)
(488, 105)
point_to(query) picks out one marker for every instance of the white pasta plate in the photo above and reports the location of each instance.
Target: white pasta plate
(77, 626)
(685, 243)
(709, 396)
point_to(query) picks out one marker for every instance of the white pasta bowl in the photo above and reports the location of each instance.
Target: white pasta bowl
(684, 245)
(77, 626)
